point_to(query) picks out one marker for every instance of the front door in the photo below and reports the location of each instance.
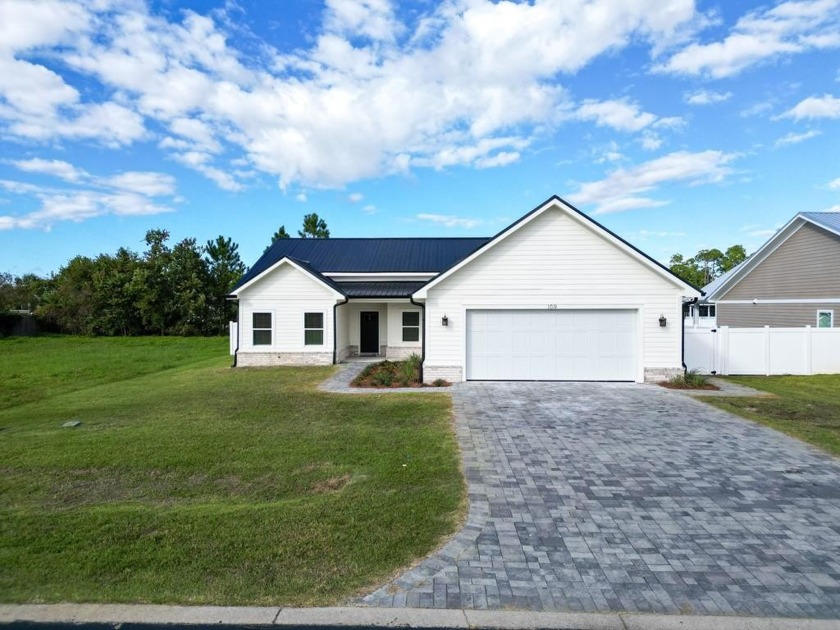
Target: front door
(369, 332)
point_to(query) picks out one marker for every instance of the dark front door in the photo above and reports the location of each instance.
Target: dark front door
(369, 333)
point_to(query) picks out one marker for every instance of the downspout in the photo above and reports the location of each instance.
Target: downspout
(682, 339)
(422, 334)
(335, 328)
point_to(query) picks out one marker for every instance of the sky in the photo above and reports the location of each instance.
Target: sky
(679, 125)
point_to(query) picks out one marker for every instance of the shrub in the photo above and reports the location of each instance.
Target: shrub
(692, 379)
(439, 382)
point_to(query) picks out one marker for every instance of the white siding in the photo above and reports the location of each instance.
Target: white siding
(555, 260)
(354, 310)
(342, 332)
(405, 348)
(287, 293)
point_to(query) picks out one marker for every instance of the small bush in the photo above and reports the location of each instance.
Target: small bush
(692, 379)
(384, 378)
(439, 382)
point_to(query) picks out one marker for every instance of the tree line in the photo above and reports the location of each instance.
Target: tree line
(168, 289)
(707, 264)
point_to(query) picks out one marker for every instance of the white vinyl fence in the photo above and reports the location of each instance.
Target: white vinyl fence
(767, 351)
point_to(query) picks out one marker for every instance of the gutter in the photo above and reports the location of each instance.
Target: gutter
(335, 328)
(422, 334)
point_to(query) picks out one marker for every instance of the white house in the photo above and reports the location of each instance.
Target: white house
(554, 296)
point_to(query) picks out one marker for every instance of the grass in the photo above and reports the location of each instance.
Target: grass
(189, 482)
(806, 407)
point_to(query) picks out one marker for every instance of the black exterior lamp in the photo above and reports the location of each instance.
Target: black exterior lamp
(444, 321)
(662, 321)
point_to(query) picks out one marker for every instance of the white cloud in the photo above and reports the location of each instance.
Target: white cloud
(56, 168)
(756, 109)
(789, 28)
(650, 140)
(796, 138)
(622, 188)
(85, 195)
(301, 197)
(825, 106)
(706, 97)
(834, 184)
(369, 209)
(449, 220)
(834, 208)
(355, 197)
(370, 95)
(143, 182)
(621, 115)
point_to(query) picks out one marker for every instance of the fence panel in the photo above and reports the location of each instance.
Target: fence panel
(233, 330)
(765, 350)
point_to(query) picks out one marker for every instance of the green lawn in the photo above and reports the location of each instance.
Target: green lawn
(191, 482)
(806, 407)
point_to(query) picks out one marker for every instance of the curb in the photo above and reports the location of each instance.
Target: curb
(117, 614)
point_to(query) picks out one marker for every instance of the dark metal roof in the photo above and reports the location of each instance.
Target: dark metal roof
(379, 289)
(368, 255)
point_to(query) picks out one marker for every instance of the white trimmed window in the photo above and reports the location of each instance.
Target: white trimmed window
(706, 310)
(313, 329)
(261, 325)
(411, 326)
(825, 319)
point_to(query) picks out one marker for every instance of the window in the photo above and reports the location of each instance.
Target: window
(262, 328)
(707, 310)
(313, 329)
(411, 326)
(825, 319)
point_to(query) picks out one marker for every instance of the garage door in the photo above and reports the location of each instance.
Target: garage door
(551, 345)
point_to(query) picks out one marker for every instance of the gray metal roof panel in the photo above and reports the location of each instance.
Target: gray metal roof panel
(383, 289)
(368, 255)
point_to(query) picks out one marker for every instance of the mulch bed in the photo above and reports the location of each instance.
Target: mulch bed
(707, 386)
(391, 375)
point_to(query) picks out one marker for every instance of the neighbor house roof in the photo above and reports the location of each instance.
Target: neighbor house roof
(829, 221)
(367, 255)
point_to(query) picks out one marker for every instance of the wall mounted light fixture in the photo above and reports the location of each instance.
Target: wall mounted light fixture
(444, 321)
(662, 321)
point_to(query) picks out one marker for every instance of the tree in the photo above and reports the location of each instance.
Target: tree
(707, 264)
(281, 233)
(314, 227)
(225, 268)
(733, 257)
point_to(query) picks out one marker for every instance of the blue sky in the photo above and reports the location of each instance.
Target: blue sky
(677, 124)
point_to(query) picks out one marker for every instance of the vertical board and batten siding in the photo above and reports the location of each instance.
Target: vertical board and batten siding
(287, 293)
(805, 266)
(555, 260)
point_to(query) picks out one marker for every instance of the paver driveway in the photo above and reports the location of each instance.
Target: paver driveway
(622, 497)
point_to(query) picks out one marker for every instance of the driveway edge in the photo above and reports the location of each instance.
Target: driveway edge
(116, 614)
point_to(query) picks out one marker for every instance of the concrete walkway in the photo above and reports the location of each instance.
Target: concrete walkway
(126, 616)
(630, 498)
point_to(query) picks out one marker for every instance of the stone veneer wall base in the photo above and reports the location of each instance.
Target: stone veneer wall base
(451, 373)
(657, 375)
(268, 359)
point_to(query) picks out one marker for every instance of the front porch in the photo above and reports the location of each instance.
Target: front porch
(384, 328)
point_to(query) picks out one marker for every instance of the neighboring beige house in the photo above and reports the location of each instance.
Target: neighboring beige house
(793, 280)
(554, 296)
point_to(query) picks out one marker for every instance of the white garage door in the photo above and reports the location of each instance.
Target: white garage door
(551, 345)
